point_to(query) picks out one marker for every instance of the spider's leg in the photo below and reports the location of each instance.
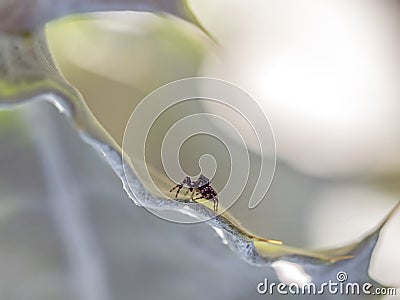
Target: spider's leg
(178, 191)
(179, 186)
(171, 190)
(187, 192)
(193, 193)
(187, 181)
(215, 199)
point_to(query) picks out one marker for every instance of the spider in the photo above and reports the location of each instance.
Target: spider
(200, 187)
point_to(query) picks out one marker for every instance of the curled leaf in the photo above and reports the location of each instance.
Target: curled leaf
(28, 74)
(30, 15)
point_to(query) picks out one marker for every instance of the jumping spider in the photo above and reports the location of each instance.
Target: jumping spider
(200, 187)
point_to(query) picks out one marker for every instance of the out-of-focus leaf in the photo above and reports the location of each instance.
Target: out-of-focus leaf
(29, 15)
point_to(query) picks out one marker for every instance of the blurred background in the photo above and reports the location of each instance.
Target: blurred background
(325, 73)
